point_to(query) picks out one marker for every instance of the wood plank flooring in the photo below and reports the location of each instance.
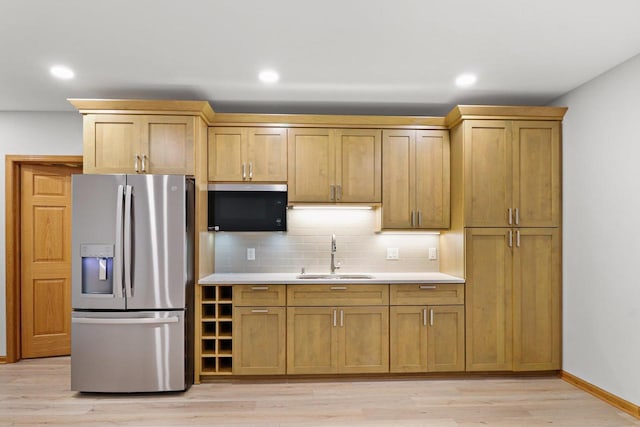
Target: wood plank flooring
(36, 392)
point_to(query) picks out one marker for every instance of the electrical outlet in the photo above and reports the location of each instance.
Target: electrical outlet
(393, 253)
(433, 253)
(251, 254)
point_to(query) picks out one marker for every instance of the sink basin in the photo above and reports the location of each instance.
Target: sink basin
(333, 276)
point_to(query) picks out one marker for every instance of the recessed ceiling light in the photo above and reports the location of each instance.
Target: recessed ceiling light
(466, 80)
(62, 72)
(268, 76)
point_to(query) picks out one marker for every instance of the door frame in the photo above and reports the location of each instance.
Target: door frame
(13, 188)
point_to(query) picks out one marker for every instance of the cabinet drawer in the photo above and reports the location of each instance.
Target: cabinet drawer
(339, 294)
(259, 295)
(427, 294)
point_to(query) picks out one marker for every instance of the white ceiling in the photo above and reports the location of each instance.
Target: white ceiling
(334, 56)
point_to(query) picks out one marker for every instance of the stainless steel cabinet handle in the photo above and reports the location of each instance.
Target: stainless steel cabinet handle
(334, 317)
(250, 170)
(431, 317)
(338, 192)
(260, 310)
(424, 317)
(136, 160)
(510, 214)
(341, 318)
(413, 219)
(338, 288)
(518, 238)
(427, 286)
(510, 238)
(144, 163)
(259, 288)
(517, 216)
(332, 190)
(419, 218)
(244, 171)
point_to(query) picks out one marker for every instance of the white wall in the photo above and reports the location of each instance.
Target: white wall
(601, 237)
(31, 133)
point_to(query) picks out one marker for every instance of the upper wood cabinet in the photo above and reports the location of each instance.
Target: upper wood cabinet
(130, 143)
(415, 173)
(511, 173)
(247, 154)
(334, 165)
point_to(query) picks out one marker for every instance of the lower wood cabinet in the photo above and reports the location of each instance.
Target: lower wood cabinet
(326, 340)
(259, 343)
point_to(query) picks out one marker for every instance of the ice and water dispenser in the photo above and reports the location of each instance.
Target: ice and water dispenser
(97, 269)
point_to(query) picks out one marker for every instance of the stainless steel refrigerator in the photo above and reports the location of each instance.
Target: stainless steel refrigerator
(132, 283)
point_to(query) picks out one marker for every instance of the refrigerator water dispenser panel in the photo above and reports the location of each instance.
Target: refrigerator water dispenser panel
(97, 269)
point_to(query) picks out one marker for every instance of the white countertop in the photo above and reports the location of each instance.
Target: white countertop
(286, 278)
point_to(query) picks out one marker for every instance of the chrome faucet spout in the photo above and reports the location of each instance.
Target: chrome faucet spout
(334, 267)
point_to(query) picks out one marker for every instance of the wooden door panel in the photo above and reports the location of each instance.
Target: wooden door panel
(488, 175)
(363, 340)
(537, 296)
(168, 143)
(358, 165)
(432, 178)
(225, 153)
(311, 164)
(260, 341)
(537, 173)
(110, 143)
(445, 338)
(267, 154)
(488, 291)
(312, 345)
(45, 260)
(398, 176)
(408, 339)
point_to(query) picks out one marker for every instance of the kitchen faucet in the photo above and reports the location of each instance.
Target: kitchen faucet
(334, 267)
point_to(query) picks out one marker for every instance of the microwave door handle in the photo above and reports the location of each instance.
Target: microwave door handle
(117, 259)
(128, 268)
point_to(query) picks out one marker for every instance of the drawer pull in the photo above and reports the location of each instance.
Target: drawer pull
(428, 286)
(259, 288)
(260, 311)
(338, 288)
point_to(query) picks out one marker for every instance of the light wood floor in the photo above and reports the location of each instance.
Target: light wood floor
(36, 392)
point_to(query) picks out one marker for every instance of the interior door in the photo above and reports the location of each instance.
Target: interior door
(46, 260)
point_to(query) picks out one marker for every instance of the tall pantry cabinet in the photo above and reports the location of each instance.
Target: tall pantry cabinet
(505, 234)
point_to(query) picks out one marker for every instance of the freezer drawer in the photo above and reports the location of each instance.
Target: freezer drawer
(128, 351)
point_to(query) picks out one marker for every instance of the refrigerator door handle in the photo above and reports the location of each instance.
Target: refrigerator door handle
(127, 242)
(125, 321)
(117, 259)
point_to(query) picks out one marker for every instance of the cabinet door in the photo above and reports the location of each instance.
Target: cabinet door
(487, 173)
(432, 179)
(408, 339)
(226, 145)
(267, 154)
(312, 344)
(358, 165)
(537, 296)
(311, 165)
(167, 143)
(398, 176)
(488, 305)
(259, 340)
(363, 340)
(110, 143)
(445, 338)
(536, 168)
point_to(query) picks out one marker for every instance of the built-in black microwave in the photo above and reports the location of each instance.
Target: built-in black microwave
(247, 207)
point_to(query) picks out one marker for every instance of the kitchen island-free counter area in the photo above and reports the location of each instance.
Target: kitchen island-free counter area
(281, 324)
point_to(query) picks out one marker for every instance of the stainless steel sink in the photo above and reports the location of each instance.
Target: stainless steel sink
(345, 276)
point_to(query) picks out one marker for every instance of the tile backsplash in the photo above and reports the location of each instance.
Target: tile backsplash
(307, 243)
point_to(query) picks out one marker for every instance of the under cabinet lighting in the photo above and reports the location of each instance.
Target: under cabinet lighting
(329, 207)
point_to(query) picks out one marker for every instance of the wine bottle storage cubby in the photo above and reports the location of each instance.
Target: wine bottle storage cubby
(216, 330)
